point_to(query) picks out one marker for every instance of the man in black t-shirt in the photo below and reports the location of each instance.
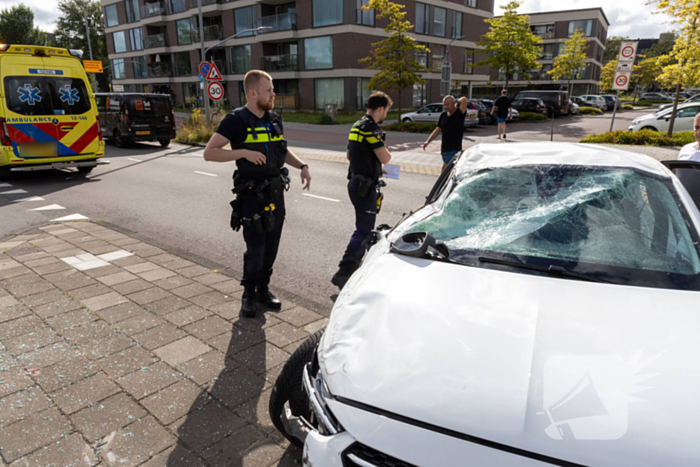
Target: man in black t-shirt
(451, 125)
(260, 151)
(503, 112)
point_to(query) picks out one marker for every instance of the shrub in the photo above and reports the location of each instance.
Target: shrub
(531, 117)
(641, 138)
(325, 119)
(627, 107)
(195, 128)
(590, 111)
(411, 127)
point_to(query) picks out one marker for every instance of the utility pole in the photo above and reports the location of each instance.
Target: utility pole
(207, 110)
(87, 33)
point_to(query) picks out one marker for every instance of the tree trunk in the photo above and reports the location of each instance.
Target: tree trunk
(673, 114)
(569, 88)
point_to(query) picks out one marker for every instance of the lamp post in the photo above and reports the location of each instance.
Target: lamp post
(87, 34)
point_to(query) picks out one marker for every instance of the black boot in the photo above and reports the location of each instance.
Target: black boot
(248, 308)
(266, 299)
(343, 275)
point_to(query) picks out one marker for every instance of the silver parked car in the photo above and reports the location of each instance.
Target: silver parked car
(431, 113)
(595, 101)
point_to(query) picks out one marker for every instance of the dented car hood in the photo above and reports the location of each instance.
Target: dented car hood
(591, 373)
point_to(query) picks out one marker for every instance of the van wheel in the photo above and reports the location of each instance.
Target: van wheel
(85, 170)
(164, 142)
(118, 141)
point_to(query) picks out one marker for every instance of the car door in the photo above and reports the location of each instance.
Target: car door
(688, 173)
(685, 118)
(434, 114)
(422, 114)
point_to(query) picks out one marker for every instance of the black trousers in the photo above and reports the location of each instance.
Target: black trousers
(261, 249)
(365, 218)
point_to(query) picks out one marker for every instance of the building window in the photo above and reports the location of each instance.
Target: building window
(111, 18)
(177, 6)
(245, 19)
(422, 19)
(469, 61)
(330, 91)
(184, 31)
(470, 3)
(327, 12)
(190, 92)
(119, 42)
(362, 92)
(439, 22)
(365, 17)
(118, 67)
(545, 31)
(183, 64)
(132, 11)
(456, 25)
(318, 53)
(420, 95)
(584, 25)
(240, 59)
(140, 70)
(548, 51)
(136, 39)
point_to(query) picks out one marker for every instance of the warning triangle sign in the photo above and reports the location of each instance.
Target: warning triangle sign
(214, 74)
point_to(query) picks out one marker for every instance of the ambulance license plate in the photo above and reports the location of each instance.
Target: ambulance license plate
(38, 150)
(139, 133)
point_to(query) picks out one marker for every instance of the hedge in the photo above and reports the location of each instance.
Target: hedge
(627, 107)
(590, 111)
(641, 138)
(531, 117)
(411, 127)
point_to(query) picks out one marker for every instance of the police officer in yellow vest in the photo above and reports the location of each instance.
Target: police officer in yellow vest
(366, 153)
(260, 151)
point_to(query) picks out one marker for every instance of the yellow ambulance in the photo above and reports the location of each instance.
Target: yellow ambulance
(48, 116)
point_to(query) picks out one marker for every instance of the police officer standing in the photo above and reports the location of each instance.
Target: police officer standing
(260, 151)
(366, 153)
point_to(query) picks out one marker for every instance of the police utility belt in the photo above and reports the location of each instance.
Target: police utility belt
(265, 190)
(365, 185)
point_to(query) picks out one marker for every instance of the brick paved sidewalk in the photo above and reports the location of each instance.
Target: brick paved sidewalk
(115, 352)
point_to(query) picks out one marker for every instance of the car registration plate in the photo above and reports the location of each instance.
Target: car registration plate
(139, 133)
(38, 150)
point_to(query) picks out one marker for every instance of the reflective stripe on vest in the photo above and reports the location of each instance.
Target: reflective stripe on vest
(263, 136)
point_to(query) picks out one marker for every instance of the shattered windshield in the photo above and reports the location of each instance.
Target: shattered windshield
(601, 216)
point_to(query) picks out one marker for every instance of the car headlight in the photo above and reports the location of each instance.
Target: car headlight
(318, 393)
(634, 123)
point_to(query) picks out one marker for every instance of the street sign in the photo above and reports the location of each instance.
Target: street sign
(204, 68)
(214, 74)
(624, 66)
(215, 90)
(118, 87)
(201, 78)
(93, 66)
(628, 51)
(621, 81)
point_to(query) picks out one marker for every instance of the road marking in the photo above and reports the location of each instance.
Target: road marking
(25, 200)
(204, 173)
(135, 160)
(2, 185)
(321, 197)
(13, 192)
(72, 217)
(52, 207)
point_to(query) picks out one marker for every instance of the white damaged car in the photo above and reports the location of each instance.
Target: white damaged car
(542, 308)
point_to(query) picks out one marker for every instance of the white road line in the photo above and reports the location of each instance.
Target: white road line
(72, 217)
(135, 160)
(321, 197)
(52, 207)
(13, 192)
(204, 173)
(3, 185)
(32, 198)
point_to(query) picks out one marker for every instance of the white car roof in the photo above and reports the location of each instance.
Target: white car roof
(484, 156)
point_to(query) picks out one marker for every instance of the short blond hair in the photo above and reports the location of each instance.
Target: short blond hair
(252, 79)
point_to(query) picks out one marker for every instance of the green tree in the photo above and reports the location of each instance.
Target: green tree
(510, 45)
(664, 46)
(570, 60)
(607, 74)
(612, 47)
(644, 73)
(70, 32)
(395, 56)
(17, 26)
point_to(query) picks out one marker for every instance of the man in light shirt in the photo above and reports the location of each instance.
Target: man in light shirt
(691, 152)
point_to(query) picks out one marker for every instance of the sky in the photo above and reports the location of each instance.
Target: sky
(631, 18)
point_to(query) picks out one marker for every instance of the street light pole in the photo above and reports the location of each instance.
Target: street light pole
(87, 33)
(207, 110)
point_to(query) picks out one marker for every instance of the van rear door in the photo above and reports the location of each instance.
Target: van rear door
(150, 115)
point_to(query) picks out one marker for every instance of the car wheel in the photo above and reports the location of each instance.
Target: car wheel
(117, 138)
(85, 170)
(650, 128)
(407, 120)
(288, 387)
(164, 142)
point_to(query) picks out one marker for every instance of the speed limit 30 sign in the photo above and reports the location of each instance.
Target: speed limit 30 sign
(215, 90)
(622, 80)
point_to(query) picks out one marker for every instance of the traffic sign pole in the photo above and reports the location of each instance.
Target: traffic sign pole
(623, 73)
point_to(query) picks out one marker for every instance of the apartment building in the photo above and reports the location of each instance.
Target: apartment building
(555, 28)
(311, 48)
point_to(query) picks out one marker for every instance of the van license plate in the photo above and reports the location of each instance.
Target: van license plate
(38, 150)
(139, 133)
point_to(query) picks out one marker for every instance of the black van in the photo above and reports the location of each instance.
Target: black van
(556, 101)
(129, 117)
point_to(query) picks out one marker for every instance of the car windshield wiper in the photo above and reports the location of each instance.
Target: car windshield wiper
(551, 270)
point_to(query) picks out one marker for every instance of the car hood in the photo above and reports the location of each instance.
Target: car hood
(592, 373)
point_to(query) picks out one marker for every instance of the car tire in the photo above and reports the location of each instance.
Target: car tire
(117, 138)
(85, 170)
(651, 128)
(407, 120)
(288, 387)
(164, 142)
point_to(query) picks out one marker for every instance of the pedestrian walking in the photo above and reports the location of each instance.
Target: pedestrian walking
(451, 125)
(503, 110)
(255, 134)
(366, 152)
(691, 151)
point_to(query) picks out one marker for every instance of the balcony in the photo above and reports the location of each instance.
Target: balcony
(162, 70)
(280, 63)
(287, 101)
(211, 33)
(152, 9)
(283, 22)
(421, 58)
(155, 40)
(547, 35)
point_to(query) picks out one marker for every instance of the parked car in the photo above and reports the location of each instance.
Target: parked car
(685, 116)
(582, 103)
(556, 101)
(610, 102)
(574, 108)
(131, 117)
(530, 105)
(596, 101)
(484, 117)
(695, 98)
(655, 96)
(511, 319)
(488, 105)
(431, 113)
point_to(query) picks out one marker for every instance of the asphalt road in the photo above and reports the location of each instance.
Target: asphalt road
(174, 197)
